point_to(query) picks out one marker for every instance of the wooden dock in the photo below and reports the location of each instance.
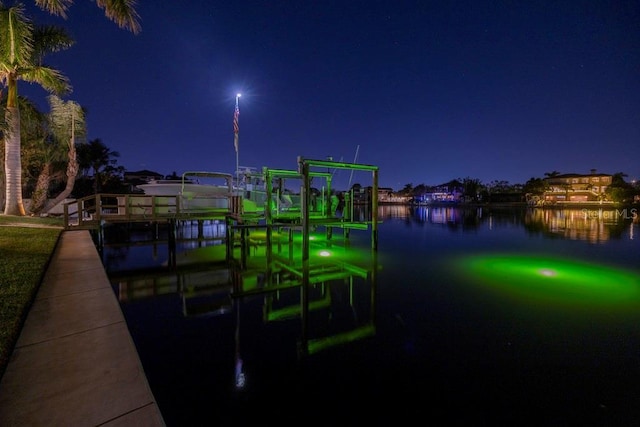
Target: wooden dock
(94, 211)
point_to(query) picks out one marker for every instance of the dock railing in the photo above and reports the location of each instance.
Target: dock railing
(91, 211)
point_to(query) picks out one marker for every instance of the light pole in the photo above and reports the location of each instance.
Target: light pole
(236, 132)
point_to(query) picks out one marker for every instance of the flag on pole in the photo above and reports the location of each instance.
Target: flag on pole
(236, 127)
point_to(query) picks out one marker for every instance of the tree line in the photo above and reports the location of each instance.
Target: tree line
(474, 190)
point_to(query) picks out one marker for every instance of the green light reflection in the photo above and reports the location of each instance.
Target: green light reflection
(551, 281)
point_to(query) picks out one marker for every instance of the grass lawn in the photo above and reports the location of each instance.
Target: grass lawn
(26, 244)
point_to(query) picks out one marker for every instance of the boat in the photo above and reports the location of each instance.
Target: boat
(201, 191)
(191, 184)
(195, 191)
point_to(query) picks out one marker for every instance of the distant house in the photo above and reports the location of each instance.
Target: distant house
(444, 193)
(576, 188)
(362, 195)
(385, 194)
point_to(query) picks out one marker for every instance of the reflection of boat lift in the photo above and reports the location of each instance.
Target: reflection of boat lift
(207, 293)
(322, 282)
(285, 272)
(283, 301)
(239, 375)
(293, 310)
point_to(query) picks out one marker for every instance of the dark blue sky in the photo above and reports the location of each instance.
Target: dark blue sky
(428, 91)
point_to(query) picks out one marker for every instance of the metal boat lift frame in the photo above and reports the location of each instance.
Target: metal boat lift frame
(305, 168)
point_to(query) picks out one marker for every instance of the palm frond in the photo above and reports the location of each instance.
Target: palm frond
(49, 39)
(32, 120)
(122, 12)
(66, 119)
(55, 7)
(15, 37)
(49, 78)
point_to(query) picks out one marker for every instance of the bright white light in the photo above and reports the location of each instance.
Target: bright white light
(547, 272)
(238, 95)
(240, 380)
(325, 253)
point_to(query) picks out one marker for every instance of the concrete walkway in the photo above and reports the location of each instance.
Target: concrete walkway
(75, 363)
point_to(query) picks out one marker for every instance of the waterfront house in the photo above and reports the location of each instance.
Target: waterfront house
(576, 188)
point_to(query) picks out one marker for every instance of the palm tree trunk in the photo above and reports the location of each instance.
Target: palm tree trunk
(12, 166)
(2, 188)
(39, 196)
(72, 173)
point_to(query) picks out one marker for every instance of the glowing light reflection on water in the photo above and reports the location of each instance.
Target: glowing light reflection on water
(511, 312)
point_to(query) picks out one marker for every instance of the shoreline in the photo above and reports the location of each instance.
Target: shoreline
(569, 205)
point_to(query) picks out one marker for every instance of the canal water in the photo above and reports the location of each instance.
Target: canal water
(480, 316)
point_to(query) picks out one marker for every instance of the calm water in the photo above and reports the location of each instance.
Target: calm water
(479, 317)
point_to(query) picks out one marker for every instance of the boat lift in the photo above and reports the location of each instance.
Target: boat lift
(306, 217)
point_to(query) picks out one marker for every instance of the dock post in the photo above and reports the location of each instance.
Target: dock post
(374, 212)
(229, 237)
(172, 243)
(304, 297)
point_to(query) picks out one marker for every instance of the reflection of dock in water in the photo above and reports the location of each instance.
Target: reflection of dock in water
(335, 279)
(300, 262)
(333, 299)
(332, 295)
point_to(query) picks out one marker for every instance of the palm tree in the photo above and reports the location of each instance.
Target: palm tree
(407, 190)
(122, 12)
(37, 152)
(97, 157)
(471, 188)
(33, 148)
(22, 47)
(66, 123)
(617, 179)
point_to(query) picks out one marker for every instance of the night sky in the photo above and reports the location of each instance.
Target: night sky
(428, 91)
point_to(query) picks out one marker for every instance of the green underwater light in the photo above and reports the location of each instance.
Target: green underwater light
(551, 281)
(314, 237)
